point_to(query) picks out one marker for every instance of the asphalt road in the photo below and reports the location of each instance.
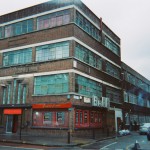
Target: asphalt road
(121, 143)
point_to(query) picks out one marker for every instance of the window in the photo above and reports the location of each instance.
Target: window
(14, 92)
(125, 97)
(52, 51)
(133, 98)
(9, 92)
(17, 57)
(52, 84)
(88, 87)
(87, 26)
(131, 78)
(1, 33)
(148, 103)
(4, 95)
(51, 119)
(112, 70)
(19, 28)
(88, 57)
(54, 19)
(60, 118)
(113, 94)
(19, 93)
(112, 46)
(24, 94)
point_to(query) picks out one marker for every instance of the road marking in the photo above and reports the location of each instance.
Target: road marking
(21, 147)
(128, 147)
(104, 148)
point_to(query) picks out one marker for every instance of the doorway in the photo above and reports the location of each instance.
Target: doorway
(12, 124)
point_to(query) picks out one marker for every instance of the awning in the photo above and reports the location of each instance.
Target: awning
(60, 105)
(12, 111)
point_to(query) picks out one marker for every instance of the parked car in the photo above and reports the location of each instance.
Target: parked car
(148, 134)
(144, 128)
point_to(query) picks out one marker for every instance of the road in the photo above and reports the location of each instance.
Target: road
(120, 143)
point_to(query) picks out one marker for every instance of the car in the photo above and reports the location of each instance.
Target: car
(148, 134)
(144, 128)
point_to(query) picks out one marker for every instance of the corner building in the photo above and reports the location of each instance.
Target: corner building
(60, 69)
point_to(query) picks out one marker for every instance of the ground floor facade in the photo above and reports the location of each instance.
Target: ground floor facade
(54, 119)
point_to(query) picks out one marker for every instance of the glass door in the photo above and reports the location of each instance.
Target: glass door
(9, 124)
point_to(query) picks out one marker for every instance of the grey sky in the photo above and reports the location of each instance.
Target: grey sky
(129, 19)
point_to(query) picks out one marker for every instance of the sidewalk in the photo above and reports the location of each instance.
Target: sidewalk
(47, 140)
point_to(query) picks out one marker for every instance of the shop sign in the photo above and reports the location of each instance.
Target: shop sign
(60, 105)
(12, 111)
(87, 100)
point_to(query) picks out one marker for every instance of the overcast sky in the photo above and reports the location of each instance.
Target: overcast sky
(129, 19)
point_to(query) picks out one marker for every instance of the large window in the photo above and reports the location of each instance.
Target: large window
(52, 51)
(88, 87)
(87, 26)
(86, 118)
(132, 98)
(50, 119)
(54, 19)
(88, 57)
(112, 70)
(131, 78)
(113, 94)
(17, 57)
(51, 84)
(112, 46)
(19, 28)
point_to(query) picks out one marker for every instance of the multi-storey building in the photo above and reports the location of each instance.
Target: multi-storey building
(136, 91)
(60, 69)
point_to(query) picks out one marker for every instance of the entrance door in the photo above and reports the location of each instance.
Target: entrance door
(9, 124)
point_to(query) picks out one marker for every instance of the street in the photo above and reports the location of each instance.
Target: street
(119, 143)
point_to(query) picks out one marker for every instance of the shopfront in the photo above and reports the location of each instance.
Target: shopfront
(51, 115)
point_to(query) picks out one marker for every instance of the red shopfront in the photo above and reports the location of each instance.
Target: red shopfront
(88, 118)
(51, 115)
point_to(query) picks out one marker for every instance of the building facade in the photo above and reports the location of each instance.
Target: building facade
(136, 91)
(60, 70)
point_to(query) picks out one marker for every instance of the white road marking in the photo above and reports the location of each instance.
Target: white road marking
(104, 148)
(20, 147)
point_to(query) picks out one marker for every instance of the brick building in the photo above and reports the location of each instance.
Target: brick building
(60, 69)
(136, 91)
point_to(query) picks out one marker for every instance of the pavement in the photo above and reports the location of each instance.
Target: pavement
(48, 140)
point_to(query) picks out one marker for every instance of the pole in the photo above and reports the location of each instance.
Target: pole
(20, 126)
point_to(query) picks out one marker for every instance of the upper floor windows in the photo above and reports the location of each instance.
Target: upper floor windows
(51, 84)
(113, 94)
(19, 28)
(88, 87)
(15, 92)
(54, 19)
(52, 51)
(87, 56)
(112, 46)
(112, 70)
(87, 26)
(17, 57)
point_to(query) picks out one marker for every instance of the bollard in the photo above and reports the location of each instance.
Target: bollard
(69, 137)
(136, 146)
